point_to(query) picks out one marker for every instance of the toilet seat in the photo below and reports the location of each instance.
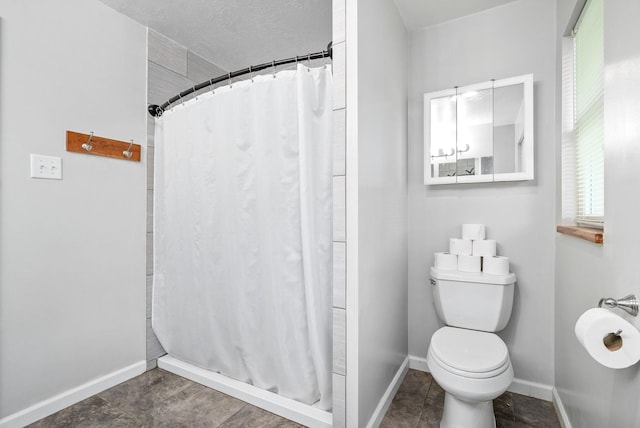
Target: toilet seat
(469, 353)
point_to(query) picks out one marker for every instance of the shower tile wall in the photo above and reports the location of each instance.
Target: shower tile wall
(339, 215)
(172, 69)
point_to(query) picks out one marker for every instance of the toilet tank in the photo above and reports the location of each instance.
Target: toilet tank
(476, 301)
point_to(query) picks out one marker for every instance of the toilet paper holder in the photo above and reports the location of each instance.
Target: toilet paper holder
(628, 304)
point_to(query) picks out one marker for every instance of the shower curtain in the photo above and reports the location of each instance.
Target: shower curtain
(243, 232)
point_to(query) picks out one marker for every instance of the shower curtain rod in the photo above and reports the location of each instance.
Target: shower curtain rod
(156, 110)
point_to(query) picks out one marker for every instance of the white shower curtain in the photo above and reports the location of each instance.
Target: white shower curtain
(243, 231)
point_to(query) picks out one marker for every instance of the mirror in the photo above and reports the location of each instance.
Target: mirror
(480, 133)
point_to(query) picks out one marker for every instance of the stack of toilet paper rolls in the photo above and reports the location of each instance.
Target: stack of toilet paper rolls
(472, 253)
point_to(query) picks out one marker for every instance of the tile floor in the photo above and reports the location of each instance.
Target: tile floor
(420, 399)
(158, 398)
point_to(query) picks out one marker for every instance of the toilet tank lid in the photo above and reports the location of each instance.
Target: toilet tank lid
(481, 277)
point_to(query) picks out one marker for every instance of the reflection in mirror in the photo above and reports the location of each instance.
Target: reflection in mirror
(475, 130)
(508, 129)
(443, 136)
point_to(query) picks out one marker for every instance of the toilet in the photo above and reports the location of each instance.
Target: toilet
(465, 357)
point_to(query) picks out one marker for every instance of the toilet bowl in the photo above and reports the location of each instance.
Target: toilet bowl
(473, 367)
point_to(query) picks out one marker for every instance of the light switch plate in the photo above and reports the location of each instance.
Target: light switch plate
(49, 167)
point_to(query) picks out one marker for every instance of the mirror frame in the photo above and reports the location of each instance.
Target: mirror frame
(527, 144)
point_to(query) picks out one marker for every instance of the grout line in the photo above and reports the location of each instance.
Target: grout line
(233, 415)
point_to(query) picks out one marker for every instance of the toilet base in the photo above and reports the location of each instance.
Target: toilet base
(463, 414)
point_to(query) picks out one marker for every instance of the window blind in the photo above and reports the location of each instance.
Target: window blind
(589, 114)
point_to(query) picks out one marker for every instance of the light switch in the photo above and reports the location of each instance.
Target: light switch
(46, 167)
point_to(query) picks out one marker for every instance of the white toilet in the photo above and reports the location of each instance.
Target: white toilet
(466, 358)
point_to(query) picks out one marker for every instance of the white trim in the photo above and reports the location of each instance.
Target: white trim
(560, 410)
(352, 379)
(387, 397)
(519, 386)
(72, 396)
(531, 389)
(285, 407)
(418, 363)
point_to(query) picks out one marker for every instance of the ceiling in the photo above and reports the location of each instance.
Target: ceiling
(233, 34)
(423, 13)
(236, 33)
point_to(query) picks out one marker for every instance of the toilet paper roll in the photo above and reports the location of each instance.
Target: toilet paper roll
(496, 265)
(469, 263)
(595, 330)
(473, 231)
(460, 247)
(484, 247)
(445, 261)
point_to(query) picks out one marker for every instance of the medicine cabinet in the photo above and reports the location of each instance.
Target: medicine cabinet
(479, 133)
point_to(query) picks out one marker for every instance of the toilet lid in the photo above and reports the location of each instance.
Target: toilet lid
(469, 350)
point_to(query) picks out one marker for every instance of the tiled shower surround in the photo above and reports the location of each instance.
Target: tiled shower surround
(172, 68)
(339, 215)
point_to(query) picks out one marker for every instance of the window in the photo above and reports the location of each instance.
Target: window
(588, 116)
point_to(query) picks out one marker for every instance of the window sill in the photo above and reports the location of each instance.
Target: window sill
(592, 235)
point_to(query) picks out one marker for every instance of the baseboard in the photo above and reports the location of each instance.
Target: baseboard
(387, 398)
(56, 403)
(532, 389)
(274, 403)
(560, 410)
(519, 386)
(418, 363)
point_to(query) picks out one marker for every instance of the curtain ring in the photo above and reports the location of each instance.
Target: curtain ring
(251, 74)
(229, 80)
(273, 64)
(194, 91)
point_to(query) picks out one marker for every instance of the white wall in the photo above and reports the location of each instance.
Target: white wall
(377, 196)
(592, 395)
(510, 40)
(72, 252)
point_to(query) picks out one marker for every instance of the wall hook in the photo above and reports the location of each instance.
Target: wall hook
(128, 153)
(442, 154)
(87, 146)
(466, 149)
(628, 304)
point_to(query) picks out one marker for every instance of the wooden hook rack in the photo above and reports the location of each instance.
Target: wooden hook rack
(90, 144)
